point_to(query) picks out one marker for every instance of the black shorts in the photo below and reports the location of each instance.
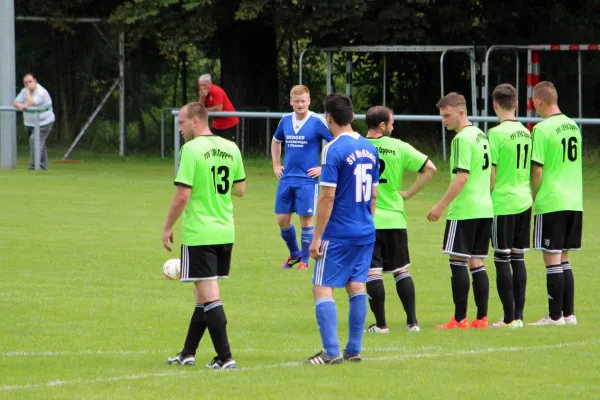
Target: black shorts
(511, 232)
(205, 263)
(390, 253)
(467, 237)
(558, 231)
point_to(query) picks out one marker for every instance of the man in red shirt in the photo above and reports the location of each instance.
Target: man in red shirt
(215, 99)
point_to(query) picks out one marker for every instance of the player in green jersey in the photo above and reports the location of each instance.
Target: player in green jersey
(390, 253)
(470, 213)
(510, 144)
(557, 186)
(210, 171)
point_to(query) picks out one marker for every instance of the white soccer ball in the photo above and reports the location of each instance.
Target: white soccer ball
(172, 269)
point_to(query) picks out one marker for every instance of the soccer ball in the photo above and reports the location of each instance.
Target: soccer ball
(172, 269)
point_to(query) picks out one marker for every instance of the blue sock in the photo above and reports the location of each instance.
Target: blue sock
(327, 320)
(356, 322)
(289, 236)
(306, 238)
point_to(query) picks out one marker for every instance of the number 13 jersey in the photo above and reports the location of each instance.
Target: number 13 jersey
(209, 165)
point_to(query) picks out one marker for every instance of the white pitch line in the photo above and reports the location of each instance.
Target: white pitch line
(57, 383)
(60, 353)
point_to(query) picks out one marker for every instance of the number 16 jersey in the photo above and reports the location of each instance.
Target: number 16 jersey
(557, 149)
(209, 165)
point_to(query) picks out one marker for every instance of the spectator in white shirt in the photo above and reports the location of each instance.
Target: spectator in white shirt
(34, 95)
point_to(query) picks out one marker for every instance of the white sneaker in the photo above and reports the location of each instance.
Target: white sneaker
(570, 320)
(413, 328)
(515, 324)
(547, 321)
(376, 329)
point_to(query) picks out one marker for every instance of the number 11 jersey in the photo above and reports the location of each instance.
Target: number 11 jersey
(510, 144)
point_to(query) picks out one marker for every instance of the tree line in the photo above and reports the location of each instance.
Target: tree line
(252, 48)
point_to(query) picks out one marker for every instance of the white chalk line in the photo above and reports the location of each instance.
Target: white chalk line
(61, 353)
(397, 357)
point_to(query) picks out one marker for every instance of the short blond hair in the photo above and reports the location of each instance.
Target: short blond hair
(452, 99)
(298, 90)
(546, 92)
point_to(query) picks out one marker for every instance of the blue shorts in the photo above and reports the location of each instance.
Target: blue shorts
(296, 198)
(342, 263)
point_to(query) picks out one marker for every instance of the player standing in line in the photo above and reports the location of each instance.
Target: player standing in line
(510, 145)
(557, 186)
(470, 213)
(298, 188)
(210, 171)
(345, 232)
(390, 253)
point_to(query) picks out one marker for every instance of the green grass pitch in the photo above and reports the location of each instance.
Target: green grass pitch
(87, 314)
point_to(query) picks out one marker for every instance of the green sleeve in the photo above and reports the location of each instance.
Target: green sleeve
(187, 168)
(494, 146)
(239, 174)
(412, 158)
(462, 155)
(538, 155)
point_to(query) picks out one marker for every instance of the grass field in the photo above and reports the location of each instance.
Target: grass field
(87, 314)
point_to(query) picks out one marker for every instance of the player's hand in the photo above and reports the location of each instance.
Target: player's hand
(278, 169)
(435, 213)
(21, 107)
(314, 172)
(167, 238)
(404, 195)
(315, 249)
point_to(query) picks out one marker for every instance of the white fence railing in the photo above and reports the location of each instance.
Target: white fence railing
(36, 132)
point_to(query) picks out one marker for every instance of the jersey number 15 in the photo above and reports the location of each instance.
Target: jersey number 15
(364, 182)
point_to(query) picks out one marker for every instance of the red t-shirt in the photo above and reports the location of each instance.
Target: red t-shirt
(217, 96)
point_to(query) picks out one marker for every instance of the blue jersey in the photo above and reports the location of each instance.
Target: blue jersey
(350, 164)
(302, 147)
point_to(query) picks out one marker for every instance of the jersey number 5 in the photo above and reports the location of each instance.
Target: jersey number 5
(486, 158)
(222, 174)
(364, 182)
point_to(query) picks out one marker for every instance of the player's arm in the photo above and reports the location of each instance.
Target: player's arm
(278, 137)
(493, 178)
(324, 208)
(457, 185)
(536, 178)
(538, 157)
(218, 99)
(20, 101)
(178, 204)
(424, 176)
(374, 192)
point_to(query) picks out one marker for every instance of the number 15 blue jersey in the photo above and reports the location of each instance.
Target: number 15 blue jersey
(350, 164)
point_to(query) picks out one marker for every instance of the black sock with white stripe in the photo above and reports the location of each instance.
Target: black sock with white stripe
(376, 293)
(195, 331)
(517, 261)
(504, 283)
(568, 306)
(216, 322)
(405, 287)
(460, 288)
(481, 290)
(555, 283)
